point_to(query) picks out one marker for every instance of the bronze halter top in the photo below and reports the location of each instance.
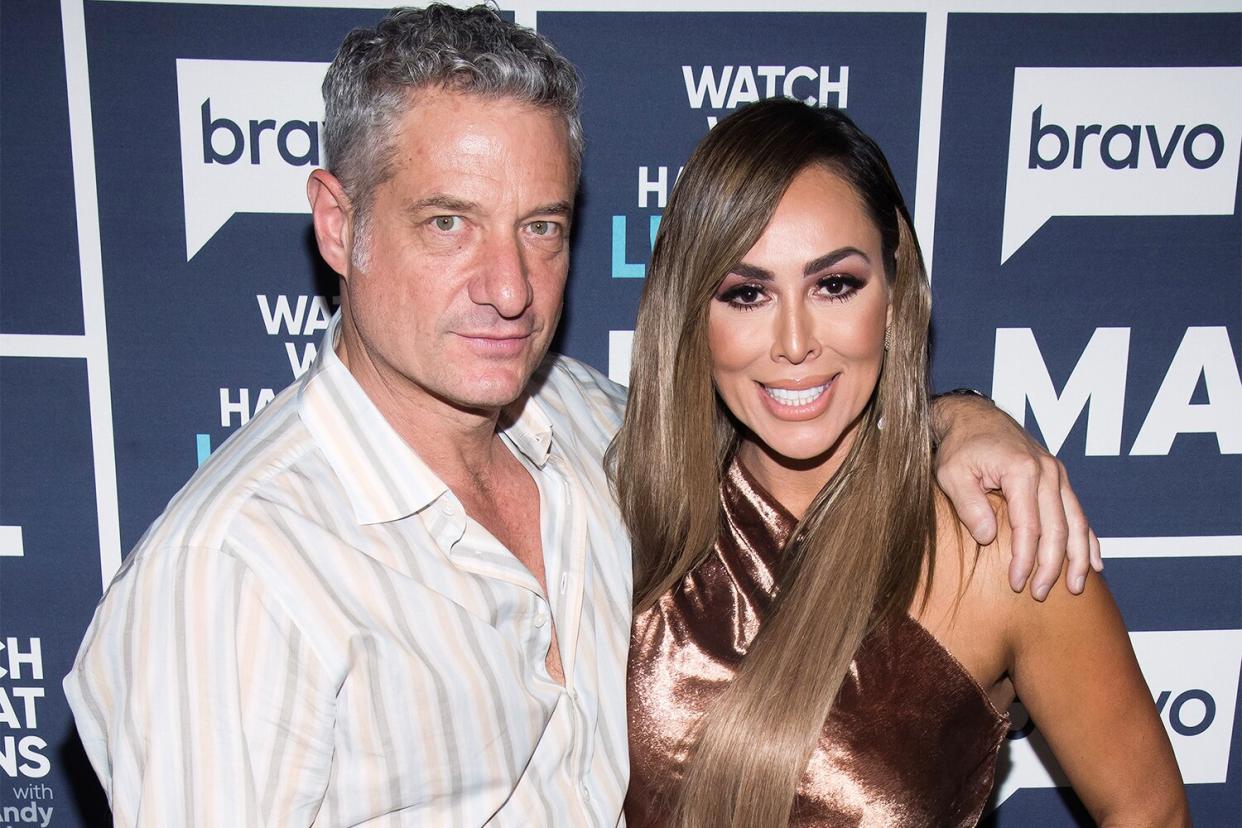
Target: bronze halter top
(911, 740)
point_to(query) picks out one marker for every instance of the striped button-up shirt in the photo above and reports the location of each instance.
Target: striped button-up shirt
(315, 633)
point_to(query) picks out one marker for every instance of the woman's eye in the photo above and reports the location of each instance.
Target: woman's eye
(447, 224)
(838, 286)
(743, 296)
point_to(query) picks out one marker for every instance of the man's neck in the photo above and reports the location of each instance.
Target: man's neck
(460, 445)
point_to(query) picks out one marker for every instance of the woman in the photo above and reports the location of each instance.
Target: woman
(816, 639)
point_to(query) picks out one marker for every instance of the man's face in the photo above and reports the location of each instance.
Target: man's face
(457, 290)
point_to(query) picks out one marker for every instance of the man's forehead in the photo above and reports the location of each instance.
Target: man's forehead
(453, 145)
(445, 106)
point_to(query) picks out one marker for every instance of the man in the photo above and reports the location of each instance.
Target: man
(401, 595)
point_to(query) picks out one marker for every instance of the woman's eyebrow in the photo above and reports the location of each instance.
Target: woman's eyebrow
(829, 259)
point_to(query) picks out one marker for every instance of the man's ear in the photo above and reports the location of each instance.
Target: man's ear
(333, 219)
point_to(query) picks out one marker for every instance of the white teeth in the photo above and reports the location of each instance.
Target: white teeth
(791, 397)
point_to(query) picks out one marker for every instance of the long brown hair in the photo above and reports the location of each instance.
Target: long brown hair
(857, 554)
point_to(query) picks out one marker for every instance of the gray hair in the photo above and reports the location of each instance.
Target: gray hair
(473, 50)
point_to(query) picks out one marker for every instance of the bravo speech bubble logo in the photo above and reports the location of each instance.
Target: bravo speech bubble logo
(250, 134)
(1193, 678)
(1120, 142)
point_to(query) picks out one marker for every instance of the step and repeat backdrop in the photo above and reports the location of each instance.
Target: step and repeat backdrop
(1073, 169)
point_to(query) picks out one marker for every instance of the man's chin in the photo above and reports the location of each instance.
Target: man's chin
(488, 393)
(489, 382)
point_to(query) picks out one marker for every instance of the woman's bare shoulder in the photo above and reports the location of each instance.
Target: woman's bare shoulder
(970, 581)
(968, 606)
(965, 570)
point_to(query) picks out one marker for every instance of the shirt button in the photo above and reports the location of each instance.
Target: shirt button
(448, 508)
(586, 793)
(541, 619)
(564, 582)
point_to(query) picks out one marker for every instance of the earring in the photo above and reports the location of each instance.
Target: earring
(888, 337)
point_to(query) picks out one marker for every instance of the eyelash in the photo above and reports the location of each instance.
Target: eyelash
(850, 286)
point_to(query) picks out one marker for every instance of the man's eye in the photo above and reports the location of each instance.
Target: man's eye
(447, 223)
(543, 228)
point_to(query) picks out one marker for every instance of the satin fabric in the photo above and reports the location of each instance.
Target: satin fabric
(912, 739)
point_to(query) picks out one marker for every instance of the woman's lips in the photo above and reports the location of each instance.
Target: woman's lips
(799, 400)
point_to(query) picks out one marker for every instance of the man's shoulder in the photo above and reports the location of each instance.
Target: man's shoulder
(261, 462)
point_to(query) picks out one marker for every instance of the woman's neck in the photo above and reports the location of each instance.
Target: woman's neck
(794, 483)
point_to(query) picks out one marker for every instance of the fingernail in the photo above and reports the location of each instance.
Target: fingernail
(1041, 592)
(1080, 582)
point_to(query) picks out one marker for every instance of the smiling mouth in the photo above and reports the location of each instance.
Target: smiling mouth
(795, 397)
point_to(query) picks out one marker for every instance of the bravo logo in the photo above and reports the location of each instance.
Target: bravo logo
(1193, 678)
(250, 134)
(1120, 142)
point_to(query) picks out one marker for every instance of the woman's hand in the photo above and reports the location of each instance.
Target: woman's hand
(981, 450)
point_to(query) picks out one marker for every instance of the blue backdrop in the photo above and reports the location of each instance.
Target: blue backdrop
(1074, 178)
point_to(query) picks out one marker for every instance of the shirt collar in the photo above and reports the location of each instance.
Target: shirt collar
(383, 477)
(528, 427)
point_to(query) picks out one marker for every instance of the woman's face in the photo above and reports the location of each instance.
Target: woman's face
(796, 329)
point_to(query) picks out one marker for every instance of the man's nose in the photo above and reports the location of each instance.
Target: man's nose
(503, 282)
